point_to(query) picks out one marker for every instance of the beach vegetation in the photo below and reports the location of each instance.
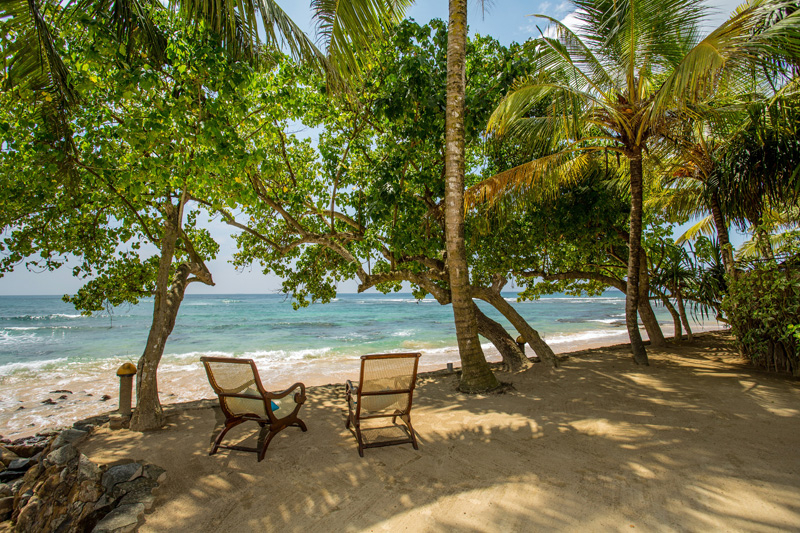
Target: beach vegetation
(620, 84)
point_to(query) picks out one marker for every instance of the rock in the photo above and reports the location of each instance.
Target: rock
(25, 450)
(10, 475)
(26, 519)
(63, 397)
(62, 455)
(123, 519)
(89, 491)
(140, 485)
(88, 427)
(48, 401)
(155, 473)
(6, 456)
(68, 436)
(118, 421)
(121, 474)
(6, 505)
(61, 391)
(88, 470)
(5, 490)
(20, 408)
(105, 398)
(21, 464)
(16, 485)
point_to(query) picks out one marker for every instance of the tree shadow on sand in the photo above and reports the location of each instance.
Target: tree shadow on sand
(690, 443)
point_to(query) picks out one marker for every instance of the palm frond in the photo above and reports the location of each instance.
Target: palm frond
(705, 226)
(543, 176)
(349, 30)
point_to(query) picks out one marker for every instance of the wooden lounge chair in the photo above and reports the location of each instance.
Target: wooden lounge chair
(385, 389)
(242, 397)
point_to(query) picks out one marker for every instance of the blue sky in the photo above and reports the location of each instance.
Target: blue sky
(505, 20)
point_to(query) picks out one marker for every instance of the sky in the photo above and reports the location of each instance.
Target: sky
(505, 20)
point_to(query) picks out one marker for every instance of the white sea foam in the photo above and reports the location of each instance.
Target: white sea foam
(30, 366)
(7, 339)
(607, 320)
(583, 336)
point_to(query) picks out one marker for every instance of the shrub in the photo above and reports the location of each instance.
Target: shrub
(763, 306)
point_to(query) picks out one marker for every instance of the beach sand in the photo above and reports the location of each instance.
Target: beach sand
(698, 441)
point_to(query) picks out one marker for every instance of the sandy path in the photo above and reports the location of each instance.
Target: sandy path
(695, 442)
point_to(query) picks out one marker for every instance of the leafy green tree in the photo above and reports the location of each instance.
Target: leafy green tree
(152, 141)
(371, 207)
(621, 82)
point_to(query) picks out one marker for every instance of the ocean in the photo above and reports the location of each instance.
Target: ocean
(47, 346)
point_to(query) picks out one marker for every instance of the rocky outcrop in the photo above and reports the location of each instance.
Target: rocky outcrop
(51, 486)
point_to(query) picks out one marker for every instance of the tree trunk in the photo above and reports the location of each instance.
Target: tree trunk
(149, 414)
(722, 236)
(168, 297)
(649, 319)
(531, 336)
(634, 247)
(682, 312)
(476, 376)
(676, 317)
(513, 358)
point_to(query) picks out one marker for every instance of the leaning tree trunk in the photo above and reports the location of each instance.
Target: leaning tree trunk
(476, 376)
(148, 414)
(634, 247)
(531, 336)
(676, 317)
(682, 312)
(168, 297)
(722, 236)
(646, 312)
(513, 358)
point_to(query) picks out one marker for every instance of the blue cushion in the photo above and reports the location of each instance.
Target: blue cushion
(275, 406)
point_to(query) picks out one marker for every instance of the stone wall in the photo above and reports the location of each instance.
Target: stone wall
(48, 485)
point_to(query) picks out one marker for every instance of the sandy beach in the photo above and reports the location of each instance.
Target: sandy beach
(698, 441)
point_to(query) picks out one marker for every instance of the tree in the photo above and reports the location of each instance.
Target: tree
(370, 207)
(128, 209)
(620, 83)
(37, 67)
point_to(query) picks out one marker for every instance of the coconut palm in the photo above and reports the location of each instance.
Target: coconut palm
(619, 83)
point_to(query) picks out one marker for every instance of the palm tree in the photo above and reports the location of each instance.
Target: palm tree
(620, 84)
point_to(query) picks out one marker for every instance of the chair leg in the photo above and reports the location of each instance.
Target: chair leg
(407, 420)
(229, 424)
(360, 440)
(299, 423)
(263, 451)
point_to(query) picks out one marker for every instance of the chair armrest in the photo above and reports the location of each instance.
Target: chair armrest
(300, 397)
(350, 388)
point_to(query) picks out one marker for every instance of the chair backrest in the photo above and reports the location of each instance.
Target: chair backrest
(387, 382)
(237, 384)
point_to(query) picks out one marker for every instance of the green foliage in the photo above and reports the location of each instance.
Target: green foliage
(763, 306)
(147, 137)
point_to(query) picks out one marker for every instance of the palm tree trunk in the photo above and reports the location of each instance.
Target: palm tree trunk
(634, 247)
(723, 236)
(476, 375)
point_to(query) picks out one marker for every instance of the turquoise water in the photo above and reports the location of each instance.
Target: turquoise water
(39, 330)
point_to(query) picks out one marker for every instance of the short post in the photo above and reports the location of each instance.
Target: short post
(521, 344)
(449, 367)
(125, 373)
